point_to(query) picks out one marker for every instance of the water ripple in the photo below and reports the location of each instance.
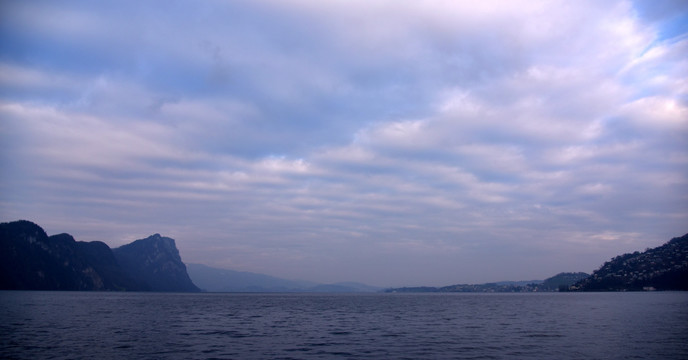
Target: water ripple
(35, 325)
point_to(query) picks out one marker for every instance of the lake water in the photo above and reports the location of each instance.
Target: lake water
(89, 325)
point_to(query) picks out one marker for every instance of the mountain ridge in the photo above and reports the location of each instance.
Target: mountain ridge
(661, 268)
(553, 283)
(32, 260)
(157, 262)
(213, 279)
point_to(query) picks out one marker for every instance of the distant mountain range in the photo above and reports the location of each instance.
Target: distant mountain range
(661, 268)
(222, 280)
(32, 260)
(554, 283)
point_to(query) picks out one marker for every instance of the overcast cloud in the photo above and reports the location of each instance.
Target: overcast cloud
(388, 142)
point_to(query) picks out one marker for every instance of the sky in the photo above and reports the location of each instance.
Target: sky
(394, 143)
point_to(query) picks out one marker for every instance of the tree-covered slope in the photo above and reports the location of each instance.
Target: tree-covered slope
(661, 268)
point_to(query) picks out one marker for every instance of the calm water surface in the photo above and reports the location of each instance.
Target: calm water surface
(87, 325)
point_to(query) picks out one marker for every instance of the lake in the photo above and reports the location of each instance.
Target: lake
(106, 325)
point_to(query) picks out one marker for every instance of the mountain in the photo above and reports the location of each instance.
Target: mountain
(358, 287)
(223, 280)
(561, 281)
(553, 283)
(519, 282)
(661, 268)
(155, 260)
(32, 260)
(343, 287)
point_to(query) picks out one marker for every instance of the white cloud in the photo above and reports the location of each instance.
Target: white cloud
(376, 134)
(658, 113)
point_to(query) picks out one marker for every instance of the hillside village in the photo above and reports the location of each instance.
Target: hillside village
(661, 268)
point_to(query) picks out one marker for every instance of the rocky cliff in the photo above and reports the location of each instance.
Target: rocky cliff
(156, 261)
(32, 260)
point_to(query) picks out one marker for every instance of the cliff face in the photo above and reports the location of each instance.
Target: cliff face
(32, 260)
(662, 268)
(155, 261)
(104, 262)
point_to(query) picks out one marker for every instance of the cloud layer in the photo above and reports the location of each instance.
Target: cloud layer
(393, 143)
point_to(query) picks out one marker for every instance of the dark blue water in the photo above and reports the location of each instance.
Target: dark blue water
(88, 325)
